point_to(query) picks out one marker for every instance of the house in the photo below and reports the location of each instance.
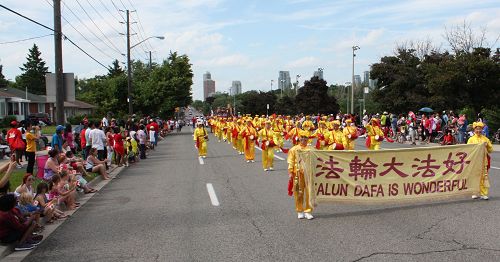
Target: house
(20, 103)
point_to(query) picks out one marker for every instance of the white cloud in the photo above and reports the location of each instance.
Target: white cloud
(308, 61)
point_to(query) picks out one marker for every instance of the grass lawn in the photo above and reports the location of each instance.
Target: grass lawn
(48, 130)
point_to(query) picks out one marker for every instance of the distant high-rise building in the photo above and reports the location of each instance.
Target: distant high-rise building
(357, 80)
(284, 80)
(366, 78)
(208, 85)
(235, 88)
(319, 73)
(372, 83)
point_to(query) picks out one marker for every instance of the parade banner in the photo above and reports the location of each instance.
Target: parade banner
(392, 174)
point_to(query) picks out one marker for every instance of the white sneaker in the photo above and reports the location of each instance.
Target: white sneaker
(265, 169)
(484, 198)
(300, 215)
(248, 161)
(253, 161)
(204, 156)
(19, 166)
(308, 216)
(271, 169)
(475, 197)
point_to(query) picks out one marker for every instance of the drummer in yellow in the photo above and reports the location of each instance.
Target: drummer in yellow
(351, 134)
(338, 141)
(249, 135)
(374, 134)
(201, 137)
(297, 175)
(479, 138)
(322, 135)
(268, 143)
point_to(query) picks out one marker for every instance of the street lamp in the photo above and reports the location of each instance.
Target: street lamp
(297, 85)
(354, 48)
(129, 68)
(272, 85)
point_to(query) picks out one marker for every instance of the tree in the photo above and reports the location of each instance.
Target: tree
(115, 69)
(34, 71)
(313, 98)
(401, 83)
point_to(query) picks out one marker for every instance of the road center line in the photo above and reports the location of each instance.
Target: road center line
(200, 159)
(494, 167)
(212, 195)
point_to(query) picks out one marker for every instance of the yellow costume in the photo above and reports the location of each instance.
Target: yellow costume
(249, 135)
(351, 134)
(299, 188)
(268, 139)
(338, 140)
(322, 136)
(200, 138)
(375, 134)
(484, 184)
(278, 132)
(308, 126)
(293, 135)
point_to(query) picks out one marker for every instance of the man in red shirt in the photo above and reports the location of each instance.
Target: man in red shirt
(83, 140)
(15, 141)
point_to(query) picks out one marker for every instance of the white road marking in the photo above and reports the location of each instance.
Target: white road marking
(276, 156)
(213, 196)
(494, 167)
(200, 159)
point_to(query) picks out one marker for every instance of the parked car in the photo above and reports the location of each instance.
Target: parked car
(43, 117)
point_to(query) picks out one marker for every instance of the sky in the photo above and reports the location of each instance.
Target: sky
(249, 41)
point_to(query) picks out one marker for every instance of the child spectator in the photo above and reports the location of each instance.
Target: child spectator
(14, 228)
(48, 208)
(152, 136)
(448, 139)
(28, 209)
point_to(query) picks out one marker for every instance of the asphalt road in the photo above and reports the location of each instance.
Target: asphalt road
(160, 210)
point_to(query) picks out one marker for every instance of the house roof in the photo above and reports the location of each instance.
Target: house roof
(14, 92)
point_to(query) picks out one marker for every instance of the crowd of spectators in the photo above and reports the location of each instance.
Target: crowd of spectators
(97, 147)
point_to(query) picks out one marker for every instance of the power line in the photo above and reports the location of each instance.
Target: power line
(92, 32)
(107, 9)
(93, 22)
(26, 39)
(44, 26)
(104, 19)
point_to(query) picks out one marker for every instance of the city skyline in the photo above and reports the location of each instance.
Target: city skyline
(238, 39)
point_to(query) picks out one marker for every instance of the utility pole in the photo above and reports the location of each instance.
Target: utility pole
(58, 63)
(150, 64)
(354, 48)
(129, 68)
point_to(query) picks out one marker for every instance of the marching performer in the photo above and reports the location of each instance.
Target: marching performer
(268, 143)
(279, 131)
(351, 134)
(322, 136)
(293, 134)
(308, 126)
(296, 175)
(338, 140)
(479, 138)
(201, 138)
(249, 135)
(374, 135)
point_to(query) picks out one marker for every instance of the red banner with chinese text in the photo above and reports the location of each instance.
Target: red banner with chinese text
(393, 174)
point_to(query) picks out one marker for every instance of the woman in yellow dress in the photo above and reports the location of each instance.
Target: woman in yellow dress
(479, 138)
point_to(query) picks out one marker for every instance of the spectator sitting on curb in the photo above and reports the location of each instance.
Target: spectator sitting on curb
(95, 165)
(14, 228)
(26, 186)
(52, 165)
(49, 209)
